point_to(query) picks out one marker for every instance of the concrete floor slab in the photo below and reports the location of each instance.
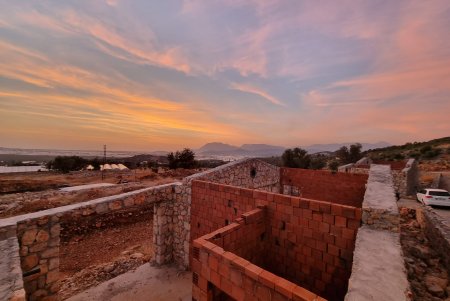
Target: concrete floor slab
(143, 284)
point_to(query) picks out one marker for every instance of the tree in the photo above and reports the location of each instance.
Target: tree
(333, 165)
(355, 152)
(67, 163)
(351, 155)
(318, 161)
(183, 159)
(296, 158)
(343, 154)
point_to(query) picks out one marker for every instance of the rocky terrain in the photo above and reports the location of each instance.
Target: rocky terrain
(428, 278)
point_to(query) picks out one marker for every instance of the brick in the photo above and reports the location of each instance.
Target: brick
(301, 294)
(328, 218)
(340, 221)
(353, 224)
(336, 209)
(333, 250)
(249, 284)
(236, 277)
(213, 263)
(268, 279)
(224, 270)
(348, 233)
(348, 212)
(263, 293)
(225, 285)
(237, 293)
(253, 271)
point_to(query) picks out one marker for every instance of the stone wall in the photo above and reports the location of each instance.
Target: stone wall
(343, 188)
(38, 235)
(437, 231)
(11, 284)
(378, 271)
(248, 173)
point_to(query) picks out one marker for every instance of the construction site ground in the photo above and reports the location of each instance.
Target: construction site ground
(30, 192)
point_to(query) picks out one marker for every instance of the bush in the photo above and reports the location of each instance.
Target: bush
(425, 149)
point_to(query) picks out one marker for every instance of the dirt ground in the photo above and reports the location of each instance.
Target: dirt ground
(146, 283)
(90, 259)
(38, 181)
(12, 204)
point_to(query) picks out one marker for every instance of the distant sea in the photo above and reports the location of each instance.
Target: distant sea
(59, 152)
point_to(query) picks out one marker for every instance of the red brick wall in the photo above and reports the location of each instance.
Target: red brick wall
(221, 272)
(342, 188)
(307, 242)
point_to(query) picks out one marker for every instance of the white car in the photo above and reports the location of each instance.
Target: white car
(434, 197)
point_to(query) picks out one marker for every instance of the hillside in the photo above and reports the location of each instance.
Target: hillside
(433, 155)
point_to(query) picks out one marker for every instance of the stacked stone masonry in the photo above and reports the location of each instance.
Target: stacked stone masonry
(307, 242)
(11, 284)
(378, 271)
(437, 231)
(38, 235)
(405, 173)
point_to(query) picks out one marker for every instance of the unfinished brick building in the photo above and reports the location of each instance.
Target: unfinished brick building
(258, 244)
(248, 231)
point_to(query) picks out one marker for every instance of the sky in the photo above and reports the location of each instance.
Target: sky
(163, 75)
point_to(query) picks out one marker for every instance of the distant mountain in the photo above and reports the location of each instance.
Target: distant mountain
(246, 150)
(217, 147)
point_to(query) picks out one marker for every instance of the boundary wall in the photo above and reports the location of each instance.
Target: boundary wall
(437, 231)
(378, 271)
(38, 236)
(405, 173)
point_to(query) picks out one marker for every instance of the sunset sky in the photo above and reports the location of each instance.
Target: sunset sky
(162, 75)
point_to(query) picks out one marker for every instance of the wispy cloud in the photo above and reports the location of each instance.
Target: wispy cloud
(246, 88)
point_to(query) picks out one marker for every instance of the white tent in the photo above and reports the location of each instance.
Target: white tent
(122, 167)
(90, 167)
(114, 166)
(105, 167)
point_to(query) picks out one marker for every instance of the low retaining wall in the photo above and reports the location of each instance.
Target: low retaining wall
(378, 271)
(437, 231)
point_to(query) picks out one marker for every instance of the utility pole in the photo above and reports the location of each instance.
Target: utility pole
(104, 162)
